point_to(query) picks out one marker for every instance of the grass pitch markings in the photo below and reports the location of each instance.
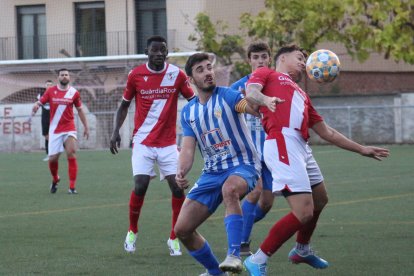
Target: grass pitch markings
(46, 212)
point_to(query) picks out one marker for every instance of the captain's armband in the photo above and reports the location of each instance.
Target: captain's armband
(241, 106)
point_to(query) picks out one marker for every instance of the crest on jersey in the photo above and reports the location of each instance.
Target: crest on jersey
(170, 76)
(145, 78)
(218, 112)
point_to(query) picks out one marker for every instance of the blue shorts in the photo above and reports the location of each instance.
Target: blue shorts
(266, 177)
(207, 189)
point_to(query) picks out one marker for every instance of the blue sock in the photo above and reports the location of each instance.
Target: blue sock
(234, 228)
(249, 215)
(206, 257)
(259, 214)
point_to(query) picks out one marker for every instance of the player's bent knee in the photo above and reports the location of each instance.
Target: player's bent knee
(230, 193)
(233, 188)
(254, 195)
(304, 215)
(182, 232)
(266, 206)
(54, 158)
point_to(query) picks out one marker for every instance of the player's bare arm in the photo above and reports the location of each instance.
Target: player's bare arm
(36, 107)
(334, 137)
(121, 114)
(185, 161)
(82, 117)
(255, 96)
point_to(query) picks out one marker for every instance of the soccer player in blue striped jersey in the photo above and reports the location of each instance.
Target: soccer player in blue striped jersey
(215, 122)
(259, 201)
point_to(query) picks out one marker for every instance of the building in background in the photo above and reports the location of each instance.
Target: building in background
(60, 29)
(33, 29)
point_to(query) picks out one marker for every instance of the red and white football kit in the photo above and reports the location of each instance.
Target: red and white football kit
(286, 151)
(156, 99)
(62, 123)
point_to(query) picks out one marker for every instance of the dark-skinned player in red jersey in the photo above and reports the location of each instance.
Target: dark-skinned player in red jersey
(155, 86)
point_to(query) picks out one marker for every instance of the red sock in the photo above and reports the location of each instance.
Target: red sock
(135, 205)
(280, 233)
(53, 167)
(176, 203)
(305, 233)
(72, 171)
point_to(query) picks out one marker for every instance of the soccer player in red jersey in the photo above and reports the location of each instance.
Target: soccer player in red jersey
(295, 173)
(62, 131)
(155, 86)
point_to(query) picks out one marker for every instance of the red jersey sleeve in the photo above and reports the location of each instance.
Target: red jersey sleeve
(314, 116)
(129, 92)
(259, 76)
(185, 88)
(77, 99)
(45, 98)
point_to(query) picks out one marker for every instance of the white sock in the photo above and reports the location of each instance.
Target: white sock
(259, 257)
(303, 249)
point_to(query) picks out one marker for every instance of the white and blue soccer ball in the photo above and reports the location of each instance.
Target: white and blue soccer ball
(323, 66)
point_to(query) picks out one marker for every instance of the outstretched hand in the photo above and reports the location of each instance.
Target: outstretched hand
(271, 103)
(375, 152)
(35, 108)
(115, 142)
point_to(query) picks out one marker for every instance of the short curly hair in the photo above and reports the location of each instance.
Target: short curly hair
(193, 59)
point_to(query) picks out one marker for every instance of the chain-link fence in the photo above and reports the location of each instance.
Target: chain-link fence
(380, 124)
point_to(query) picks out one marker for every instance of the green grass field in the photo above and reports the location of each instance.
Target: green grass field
(366, 229)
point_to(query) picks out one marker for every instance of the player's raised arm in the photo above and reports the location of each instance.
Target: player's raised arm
(255, 97)
(121, 114)
(335, 137)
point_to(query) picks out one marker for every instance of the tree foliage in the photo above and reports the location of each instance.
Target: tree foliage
(385, 26)
(363, 27)
(212, 38)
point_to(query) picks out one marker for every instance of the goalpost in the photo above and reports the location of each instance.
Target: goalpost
(100, 81)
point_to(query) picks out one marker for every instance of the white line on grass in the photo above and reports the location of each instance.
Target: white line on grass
(45, 212)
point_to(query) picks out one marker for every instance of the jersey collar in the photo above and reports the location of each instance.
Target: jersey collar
(156, 72)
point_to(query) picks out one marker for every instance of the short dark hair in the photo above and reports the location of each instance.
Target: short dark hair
(62, 69)
(48, 81)
(156, 38)
(196, 58)
(258, 47)
(290, 49)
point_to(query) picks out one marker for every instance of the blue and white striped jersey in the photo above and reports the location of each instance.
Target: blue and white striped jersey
(221, 132)
(253, 123)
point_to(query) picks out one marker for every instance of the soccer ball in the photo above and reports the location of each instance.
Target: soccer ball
(323, 66)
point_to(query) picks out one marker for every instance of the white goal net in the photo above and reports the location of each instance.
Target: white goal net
(100, 81)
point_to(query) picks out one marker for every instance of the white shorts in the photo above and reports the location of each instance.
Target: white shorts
(144, 159)
(56, 141)
(290, 160)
